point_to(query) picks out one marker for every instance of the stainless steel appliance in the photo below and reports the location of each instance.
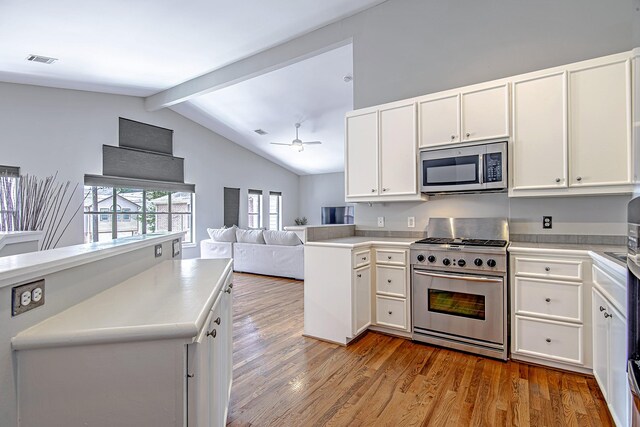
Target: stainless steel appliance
(467, 169)
(633, 307)
(459, 285)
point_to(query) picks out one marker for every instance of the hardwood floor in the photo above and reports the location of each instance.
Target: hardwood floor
(284, 379)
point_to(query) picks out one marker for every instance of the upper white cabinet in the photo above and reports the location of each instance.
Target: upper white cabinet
(439, 121)
(381, 154)
(485, 113)
(539, 132)
(362, 155)
(600, 124)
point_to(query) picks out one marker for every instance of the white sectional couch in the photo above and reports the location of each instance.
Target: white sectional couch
(273, 253)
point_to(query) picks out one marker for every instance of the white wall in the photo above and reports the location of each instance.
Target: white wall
(317, 191)
(45, 130)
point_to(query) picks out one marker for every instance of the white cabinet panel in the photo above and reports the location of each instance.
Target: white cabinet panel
(618, 387)
(485, 113)
(391, 256)
(361, 300)
(549, 268)
(600, 342)
(391, 280)
(599, 125)
(398, 159)
(361, 258)
(362, 155)
(391, 312)
(551, 340)
(439, 121)
(539, 132)
(552, 299)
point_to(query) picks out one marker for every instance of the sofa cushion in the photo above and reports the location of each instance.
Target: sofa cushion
(249, 236)
(281, 238)
(223, 234)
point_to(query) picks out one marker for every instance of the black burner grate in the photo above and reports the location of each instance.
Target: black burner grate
(465, 242)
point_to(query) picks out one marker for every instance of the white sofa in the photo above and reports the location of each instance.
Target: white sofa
(258, 258)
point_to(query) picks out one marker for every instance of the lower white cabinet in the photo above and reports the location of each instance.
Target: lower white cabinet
(610, 356)
(391, 312)
(361, 288)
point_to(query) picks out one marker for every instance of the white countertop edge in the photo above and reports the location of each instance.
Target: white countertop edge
(185, 331)
(66, 258)
(373, 242)
(11, 237)
(528, 248)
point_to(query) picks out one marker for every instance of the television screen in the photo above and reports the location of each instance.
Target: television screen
(337, 215)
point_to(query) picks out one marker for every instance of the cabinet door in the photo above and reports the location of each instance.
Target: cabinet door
(218, 351)
(199, 393)
(362, 155)
(439, 121)
(618, 395)
(599, 125)
(398, 159)
(485, 113)
(601, 343)
(361, 294)
(539, 133)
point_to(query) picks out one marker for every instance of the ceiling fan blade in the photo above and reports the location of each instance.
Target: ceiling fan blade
(311, 142)
(279, 143)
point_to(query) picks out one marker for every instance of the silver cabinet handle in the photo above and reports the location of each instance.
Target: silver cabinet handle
(385, 189)
(453, 137)
(602, 308)
(468, 134)
(388, 280)
(359, 275)
(212, 333)
(558, 180)
(364, 258)
(389, 257)
(390, 312)
(217, 321)
(547, 269)
(228, 290)
(607, 315)
(547, 299)
(548, 340)
(190, 375)
(373, 190)
(579, 178)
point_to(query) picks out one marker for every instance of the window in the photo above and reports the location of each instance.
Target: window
(254, 208)
(111, 213)
(275, 209)
(9, 180)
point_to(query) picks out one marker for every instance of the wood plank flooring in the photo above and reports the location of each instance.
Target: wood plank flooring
(284, 379)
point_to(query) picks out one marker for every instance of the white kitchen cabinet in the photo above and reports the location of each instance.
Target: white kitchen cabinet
(600, 342)
(439, 121)
(485, 113)
(539, 153)
(126, 363)
(361, 299)
(392, 286)
(362, 154)
(600, 124)
(398, 158)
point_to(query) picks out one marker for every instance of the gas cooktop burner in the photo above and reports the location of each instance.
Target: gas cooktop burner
(465, 242)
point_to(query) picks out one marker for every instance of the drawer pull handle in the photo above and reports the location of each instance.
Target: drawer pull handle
(547, 269)
(359, 275)
(364, 258)
(190, 375)
(212, 333)
(547, 299)
(453, 137)
(388, 280)
(607, 315)
(558, 180)
(602, 308)
(468, 134)
(389, 257)
(373, 190)
(217, 321)
(548, 340)
(390, 312)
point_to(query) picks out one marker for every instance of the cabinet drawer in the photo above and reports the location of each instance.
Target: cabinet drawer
(391, 281)
(549, 340)
(551, 268)
(615, 289)
(560, 300)
(361, 258)
(391, 312)
(390, 256)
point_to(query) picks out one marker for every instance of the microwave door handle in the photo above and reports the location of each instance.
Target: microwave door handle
(480, 169)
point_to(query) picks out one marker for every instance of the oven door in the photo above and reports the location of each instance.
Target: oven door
(460, 305)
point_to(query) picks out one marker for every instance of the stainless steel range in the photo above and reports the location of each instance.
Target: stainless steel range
(459, 285)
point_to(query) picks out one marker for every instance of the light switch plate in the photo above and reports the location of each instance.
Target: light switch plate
(32, 294)
(380, 221)
(158, 250)
(547, 222)
(175, 247)
(411, 222)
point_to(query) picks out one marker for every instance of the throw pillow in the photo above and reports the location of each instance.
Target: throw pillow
(249, 236)
(222, 234)
(281, 238)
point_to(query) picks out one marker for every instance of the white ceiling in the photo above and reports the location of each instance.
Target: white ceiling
(142, 47)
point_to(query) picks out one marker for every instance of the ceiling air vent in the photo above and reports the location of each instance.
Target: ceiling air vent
(41, 59)
(261, 132)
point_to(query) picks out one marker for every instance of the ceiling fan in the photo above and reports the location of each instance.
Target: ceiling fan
(297, 144)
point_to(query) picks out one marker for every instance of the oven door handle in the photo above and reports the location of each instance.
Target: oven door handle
(468, 278)
(480, 169)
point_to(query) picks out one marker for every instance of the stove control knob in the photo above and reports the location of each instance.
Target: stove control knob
(477, 262)
(421, 258)
(491, 263)
(462, 263)
(446, 261)
(432, 258)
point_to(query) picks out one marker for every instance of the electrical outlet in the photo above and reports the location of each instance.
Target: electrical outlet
(411, 222)
(158, 250)
(380, 221)
(547, 222)
(176, 247)
(27, 297)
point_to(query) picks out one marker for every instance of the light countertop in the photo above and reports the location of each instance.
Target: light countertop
(578, 248)
(168, 301)
(356, 241)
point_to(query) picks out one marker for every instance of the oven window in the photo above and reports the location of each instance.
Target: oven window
(457, 304)
(461, 170)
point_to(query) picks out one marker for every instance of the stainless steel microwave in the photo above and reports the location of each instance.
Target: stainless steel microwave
(468, 169)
